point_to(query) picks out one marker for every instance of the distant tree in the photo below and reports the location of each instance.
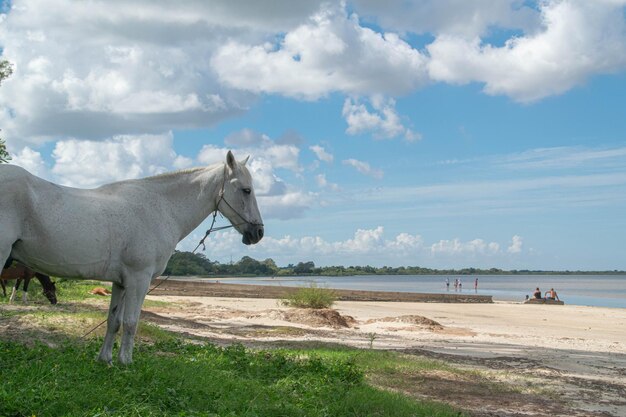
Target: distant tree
(4, 155)
(271, 266)
(187, 263)
(6, 69)
(304, 267)
(248, 265)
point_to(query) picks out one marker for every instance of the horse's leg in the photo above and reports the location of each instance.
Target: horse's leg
(25, 290)
(5, 261)
(15, 288)
(116, 309)
(135, 294)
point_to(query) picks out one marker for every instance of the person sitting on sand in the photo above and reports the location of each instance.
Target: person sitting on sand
(552, 295)
(537, 294)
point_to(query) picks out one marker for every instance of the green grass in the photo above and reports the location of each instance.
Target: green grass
(310, 297)
(174, 378)
(69, 290)
(181, 379)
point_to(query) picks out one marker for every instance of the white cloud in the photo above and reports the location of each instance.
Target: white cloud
(322, 182)
(289, 205)
(468, 18)
(31, 161)
(383, 122)
(95, 70)
(321, 153)
(100, 69)
(82, 163)
(578, 39)
(364, 168)
(182, 162)
(261, 146)
(456, 246)
(331, 52)
(564, 157)
(516, 245)
(247, 137)
(366, 246)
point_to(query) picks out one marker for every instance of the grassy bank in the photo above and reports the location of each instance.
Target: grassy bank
(174, 377)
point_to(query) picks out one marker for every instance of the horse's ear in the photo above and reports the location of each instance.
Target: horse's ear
(230, 160)
(245, 161)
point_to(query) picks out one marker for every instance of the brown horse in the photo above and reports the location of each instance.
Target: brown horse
(21, 273)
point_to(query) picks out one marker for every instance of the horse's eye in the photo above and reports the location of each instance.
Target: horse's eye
(246, 190)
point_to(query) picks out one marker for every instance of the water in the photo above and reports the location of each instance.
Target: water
(589, 290)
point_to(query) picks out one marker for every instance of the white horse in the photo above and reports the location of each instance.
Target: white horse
(124, 232)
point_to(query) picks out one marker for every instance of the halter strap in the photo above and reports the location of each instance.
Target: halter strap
(215, 229)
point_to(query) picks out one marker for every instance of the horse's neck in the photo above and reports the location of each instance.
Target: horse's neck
(192, 194)
(44, 280)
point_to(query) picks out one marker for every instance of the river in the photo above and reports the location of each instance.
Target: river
(590, 290)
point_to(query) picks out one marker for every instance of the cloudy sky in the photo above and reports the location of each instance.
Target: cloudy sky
(440, 133)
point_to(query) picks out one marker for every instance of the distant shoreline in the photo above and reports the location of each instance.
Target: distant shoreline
(198, 288)
(441, 273)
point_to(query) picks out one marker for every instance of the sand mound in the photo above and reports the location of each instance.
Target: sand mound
(318, 317)
(411, 319)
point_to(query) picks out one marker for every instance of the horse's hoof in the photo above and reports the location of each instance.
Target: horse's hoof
(105, 359)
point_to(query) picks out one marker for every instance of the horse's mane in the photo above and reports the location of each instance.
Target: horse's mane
(182, 171)
(173, 173)
(158, 177)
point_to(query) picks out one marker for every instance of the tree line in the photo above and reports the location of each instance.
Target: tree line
(187, 263)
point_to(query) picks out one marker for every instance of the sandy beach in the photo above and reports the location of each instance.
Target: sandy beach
(578, 353)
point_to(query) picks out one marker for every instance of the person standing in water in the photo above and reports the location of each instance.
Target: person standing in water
(476, 284)
(447, 284)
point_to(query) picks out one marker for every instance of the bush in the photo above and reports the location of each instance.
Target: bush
(310, 297)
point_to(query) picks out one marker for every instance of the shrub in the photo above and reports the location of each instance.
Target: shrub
(310, 297)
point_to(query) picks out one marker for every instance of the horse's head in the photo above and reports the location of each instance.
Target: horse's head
(238, 202)
(50, 291)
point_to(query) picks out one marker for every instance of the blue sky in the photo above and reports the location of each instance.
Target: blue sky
(397, 135)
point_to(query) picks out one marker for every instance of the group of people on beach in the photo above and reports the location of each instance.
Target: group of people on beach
(458, 285)
(549, 295)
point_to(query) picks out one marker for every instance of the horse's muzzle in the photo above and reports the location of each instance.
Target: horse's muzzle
(253, 234)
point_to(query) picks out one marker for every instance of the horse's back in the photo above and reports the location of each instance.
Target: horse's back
(17, 271)
(80, 233)
(51, 226)
(10, 172)
(13, 180)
